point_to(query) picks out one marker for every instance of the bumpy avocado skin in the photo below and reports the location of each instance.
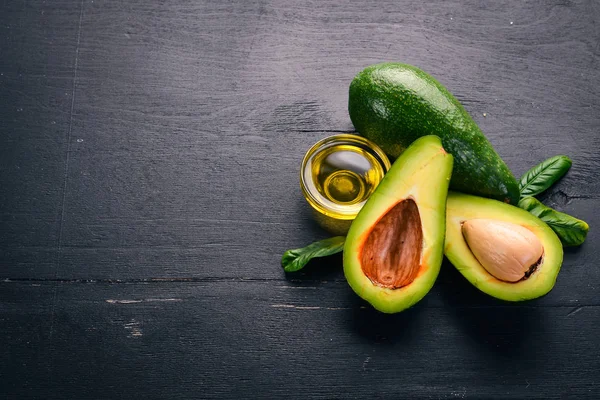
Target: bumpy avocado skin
(462, 207)
(421, 173)
(393, 104)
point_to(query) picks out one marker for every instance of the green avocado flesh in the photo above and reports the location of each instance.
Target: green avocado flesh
(462, 208)
(393, 104)
(394, 247)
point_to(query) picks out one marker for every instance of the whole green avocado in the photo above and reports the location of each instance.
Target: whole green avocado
(394, 104)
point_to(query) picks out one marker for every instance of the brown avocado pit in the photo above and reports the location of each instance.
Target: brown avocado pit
(391, 254)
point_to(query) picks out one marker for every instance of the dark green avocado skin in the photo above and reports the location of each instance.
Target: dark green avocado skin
(394, 104)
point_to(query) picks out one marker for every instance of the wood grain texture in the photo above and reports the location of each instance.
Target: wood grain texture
(225, 339)
(208, 123)
(37, 52)
(149, 156)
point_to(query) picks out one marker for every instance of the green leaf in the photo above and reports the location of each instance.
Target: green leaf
(570, 230)
(295, 260)
(543, 175)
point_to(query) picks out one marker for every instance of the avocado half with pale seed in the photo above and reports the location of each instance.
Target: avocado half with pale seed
(502, 250)
(394, 247)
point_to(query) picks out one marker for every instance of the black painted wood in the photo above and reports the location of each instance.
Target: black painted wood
(239, 339)
(149, 156)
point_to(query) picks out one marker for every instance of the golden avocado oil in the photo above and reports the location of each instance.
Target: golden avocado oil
(338, 175)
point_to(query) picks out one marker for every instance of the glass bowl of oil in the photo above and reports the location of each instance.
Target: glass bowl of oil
(338, 175)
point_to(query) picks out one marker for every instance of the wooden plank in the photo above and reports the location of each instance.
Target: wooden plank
(138, 248)
(229, 339)
(37, 44)
(200, 131)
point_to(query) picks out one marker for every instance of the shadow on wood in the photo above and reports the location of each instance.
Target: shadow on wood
(500, 327)
(386, 329)
(378, 328)
(319, 269)
(505, 331)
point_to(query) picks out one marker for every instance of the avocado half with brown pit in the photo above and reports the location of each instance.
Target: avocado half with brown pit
(394, 247)
(502, 250)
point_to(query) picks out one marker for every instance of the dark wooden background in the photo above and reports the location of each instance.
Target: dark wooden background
(149, 158)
